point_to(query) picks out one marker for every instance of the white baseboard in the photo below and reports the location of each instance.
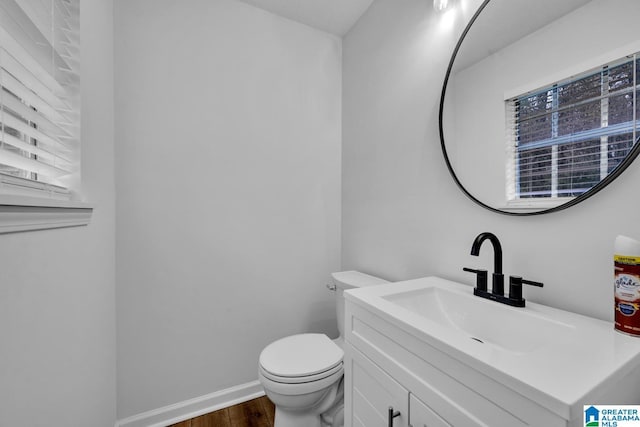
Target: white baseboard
(195, 407)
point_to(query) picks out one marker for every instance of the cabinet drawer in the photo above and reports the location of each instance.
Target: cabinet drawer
(420, 415)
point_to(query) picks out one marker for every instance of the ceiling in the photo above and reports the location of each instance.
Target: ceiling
(333, 16)
(507, 21)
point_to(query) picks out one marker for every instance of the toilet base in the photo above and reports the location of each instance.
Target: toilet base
(327, 411)
(334, 417)
(286, 418)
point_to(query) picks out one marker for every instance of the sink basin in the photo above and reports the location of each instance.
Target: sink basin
(487, 322)
(547, 353)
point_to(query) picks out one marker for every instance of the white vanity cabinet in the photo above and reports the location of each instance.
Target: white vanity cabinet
(441, 356)
(387, 366)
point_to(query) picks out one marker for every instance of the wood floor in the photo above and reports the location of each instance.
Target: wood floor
(254, 413)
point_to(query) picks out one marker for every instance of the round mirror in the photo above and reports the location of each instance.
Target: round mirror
(541, 104)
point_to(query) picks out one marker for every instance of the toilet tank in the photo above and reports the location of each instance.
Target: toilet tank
(348, 280)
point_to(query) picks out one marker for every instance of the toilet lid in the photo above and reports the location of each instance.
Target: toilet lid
(301, 355)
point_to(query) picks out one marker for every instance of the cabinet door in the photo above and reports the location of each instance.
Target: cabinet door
(420, 415)
(370, 392)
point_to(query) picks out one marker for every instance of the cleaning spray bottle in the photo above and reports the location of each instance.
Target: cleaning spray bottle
(626, 285)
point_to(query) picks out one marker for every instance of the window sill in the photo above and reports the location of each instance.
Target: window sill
(532, 205)
(18, 213)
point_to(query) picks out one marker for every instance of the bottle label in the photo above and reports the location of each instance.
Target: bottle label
(626, 286)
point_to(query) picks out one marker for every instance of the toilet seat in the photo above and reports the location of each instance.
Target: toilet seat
(301, 379)
(301, 358)
(301, 388)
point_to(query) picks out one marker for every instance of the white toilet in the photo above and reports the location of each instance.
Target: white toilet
(302, 374)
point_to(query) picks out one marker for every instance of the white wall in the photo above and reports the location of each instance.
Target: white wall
(228, 126)
(403, 217)
(57, 302)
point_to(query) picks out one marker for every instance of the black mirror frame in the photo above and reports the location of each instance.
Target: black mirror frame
(593, 190)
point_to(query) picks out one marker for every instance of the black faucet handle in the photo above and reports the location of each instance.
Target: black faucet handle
(532, 283)
(515, 287)
(481, 278)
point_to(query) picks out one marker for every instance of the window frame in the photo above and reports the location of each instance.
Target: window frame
(544, 204)
(29, 204)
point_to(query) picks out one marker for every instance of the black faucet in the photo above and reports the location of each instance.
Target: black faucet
(497, 289)
(497, 277)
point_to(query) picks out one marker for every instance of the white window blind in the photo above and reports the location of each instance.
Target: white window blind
(565, 138)
(39, 98)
